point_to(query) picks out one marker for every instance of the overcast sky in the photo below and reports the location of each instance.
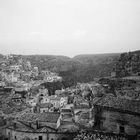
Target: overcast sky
(69, 27)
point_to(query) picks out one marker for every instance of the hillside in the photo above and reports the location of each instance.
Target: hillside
(1, 57)
(52, 62)
(86, 67)
(128, 64)
(95, 59)
(96, 65)
(81, 68)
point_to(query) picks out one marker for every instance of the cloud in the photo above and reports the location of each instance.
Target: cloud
(79, 33)
(63, 2)
(38, 33)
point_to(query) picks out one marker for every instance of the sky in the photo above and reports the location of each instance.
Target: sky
(69, 27)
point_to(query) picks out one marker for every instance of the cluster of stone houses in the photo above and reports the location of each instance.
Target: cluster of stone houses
(53, 117)
(40, 112)
(40, 116)
(14, 69)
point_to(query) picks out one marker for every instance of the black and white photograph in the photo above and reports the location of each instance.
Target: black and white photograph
(69, 69)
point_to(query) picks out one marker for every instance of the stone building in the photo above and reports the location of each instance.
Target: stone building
(118, 115)
(38, 120)
(44, 107)
(42, 134)
(42, 126)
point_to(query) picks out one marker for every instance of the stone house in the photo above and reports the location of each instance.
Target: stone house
(113, 74)
(45, 133)
(32, 101)
(118, 115)
(44, 107)
(78, 109)
(42, 126)
(15, 68)
(66, 115)
(17, 98)
(38, 120)
(21, 91)
(58, 101)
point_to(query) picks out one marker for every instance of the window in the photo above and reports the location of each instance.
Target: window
(40, 137)
(122, 129)
(101, 124)
(64, 138)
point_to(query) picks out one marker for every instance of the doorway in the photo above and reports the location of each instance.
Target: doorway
(122, 130)
(40, 137)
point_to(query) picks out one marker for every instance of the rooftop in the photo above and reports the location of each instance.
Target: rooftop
(42, 117)
(120, 103)
(81, 106)
(85, 115)
(45, 129)
(45, 105)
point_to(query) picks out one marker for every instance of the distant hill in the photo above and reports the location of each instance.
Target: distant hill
(86, 67)
(1, 57)
(81, 68)
(128, 64)
(136, 52)
(52, 62)
(96, 59)
(96, 65)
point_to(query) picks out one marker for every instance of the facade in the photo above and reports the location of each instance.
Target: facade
(42, 126)
(117, 115)
(44, 107)
(38, 120)
(32, 102)
(113, 74)
(42, 134)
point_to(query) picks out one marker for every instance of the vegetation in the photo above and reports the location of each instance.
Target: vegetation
(82, 68)
(52, 87)
(128, 64)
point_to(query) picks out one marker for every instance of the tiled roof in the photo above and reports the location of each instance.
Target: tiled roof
(21, 128)
(16, 96)
(63, 110)
(45, 105)
(68, 127)
(42, 117)
(19, 89)
(67, 116)
(10, 107)
(120, 103)
(85, 115)
(45, 130)
(81, 106)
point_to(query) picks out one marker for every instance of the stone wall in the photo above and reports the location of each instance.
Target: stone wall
(112, 121)
(18, 135)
